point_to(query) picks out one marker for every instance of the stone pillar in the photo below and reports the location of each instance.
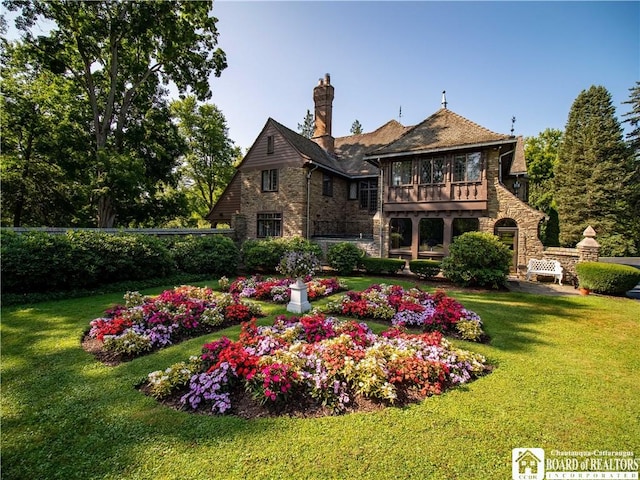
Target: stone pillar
(299, 300)
(447, 233)
(588, 248)
(415, 237)
(239, 226)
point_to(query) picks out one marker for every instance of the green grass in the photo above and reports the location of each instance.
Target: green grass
(566, 379)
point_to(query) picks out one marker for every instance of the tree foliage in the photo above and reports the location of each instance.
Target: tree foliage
(356, 127)
(633, 118)
(307, 126)
(541, 153)
(120, 53)
(209, 161)
(592, 175)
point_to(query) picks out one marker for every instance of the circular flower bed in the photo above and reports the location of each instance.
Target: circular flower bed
(144, 324)
(411, 308)
(313, 365)
(278, 289)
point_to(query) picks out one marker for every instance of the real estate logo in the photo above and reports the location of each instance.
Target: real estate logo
(527, 463)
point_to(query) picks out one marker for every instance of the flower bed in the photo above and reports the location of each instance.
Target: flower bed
(410, 308)
(314, 362)
(145, 324)
(277, 289)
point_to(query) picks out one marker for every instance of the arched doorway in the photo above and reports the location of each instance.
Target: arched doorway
(506, 230)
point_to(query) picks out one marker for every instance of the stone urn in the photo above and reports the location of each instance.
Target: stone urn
(299, 299)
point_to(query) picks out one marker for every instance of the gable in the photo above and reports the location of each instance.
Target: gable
(259, 157)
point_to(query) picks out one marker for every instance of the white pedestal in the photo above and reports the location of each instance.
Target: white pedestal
(299, 301)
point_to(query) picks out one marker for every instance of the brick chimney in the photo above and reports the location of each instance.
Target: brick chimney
(323, 100)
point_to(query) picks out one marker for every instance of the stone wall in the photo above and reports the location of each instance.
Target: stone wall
(586, 251)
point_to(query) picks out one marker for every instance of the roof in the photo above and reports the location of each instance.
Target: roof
(519, 164)
(443, 130)
(350, 151)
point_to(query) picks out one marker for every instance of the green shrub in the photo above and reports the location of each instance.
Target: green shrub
(478, 259)
(213, 254)
(607, 278)
(344, 257)
(376, 266)
(264, 255)
(425, 268)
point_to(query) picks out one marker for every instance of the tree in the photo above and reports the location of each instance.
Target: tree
(42, 143)
(592, 176)
(307, 126)
(117, 52)
(541, 153)
(209, 161)
(356, 128)
(633, 119)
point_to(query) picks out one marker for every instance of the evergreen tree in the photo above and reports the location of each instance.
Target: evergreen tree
(356, 128)
(307, 126)
(633, 118)
(592, 176)
(542, 154)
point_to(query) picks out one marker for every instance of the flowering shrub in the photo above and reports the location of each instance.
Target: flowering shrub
(298, 264)
(149, 323)
(277, 289)
(321, 360)
(410, 308)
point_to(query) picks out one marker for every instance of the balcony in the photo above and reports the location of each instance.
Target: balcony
(432, 197)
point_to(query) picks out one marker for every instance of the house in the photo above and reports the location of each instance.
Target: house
(409, 190)
(528, 464)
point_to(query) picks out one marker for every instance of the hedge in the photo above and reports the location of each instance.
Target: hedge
(425, 268)
(377, 266)
(607, 278)
(344, 257)
(40, 262)
(213, 254)
(265, 254)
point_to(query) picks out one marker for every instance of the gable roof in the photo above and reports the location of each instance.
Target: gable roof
(443, 130)
(351, 150)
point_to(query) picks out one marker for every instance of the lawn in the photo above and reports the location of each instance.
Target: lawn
(566, 378)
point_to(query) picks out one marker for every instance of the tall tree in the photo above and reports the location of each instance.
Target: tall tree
(592, 175)
(307, 126)
(356, 127)
(541, 153)
(209, 161)
(42, 143)
(633, 118)
(118, 51)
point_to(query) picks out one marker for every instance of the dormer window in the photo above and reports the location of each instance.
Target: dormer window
(270, 144)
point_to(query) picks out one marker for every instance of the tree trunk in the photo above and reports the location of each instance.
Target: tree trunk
(106, 213)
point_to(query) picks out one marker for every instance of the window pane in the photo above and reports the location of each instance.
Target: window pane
(439, 166)
(474, 167)
(463, 225)
(425, 170)
(400, 232)
(459, 168)
(401, 173)
(431, 234)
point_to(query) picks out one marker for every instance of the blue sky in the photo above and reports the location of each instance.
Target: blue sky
(495, 60)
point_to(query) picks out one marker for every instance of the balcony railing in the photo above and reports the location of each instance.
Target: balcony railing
(343, 229)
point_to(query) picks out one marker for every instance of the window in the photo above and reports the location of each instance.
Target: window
(270, 144)
(327, 185)
(431, 234)
(400, 234)
(269, 225)
(467, 168)
(464, 225)
(432, 170)
(401, 173)
(353, 191)
(369, 195)
(270, 180)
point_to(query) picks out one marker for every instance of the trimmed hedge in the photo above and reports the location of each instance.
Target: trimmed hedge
(477, 259)
(607, 278)
(425, 268)
(40, 262)
(344, 257)
(213, 254)
(265, 255)
(376, 266)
